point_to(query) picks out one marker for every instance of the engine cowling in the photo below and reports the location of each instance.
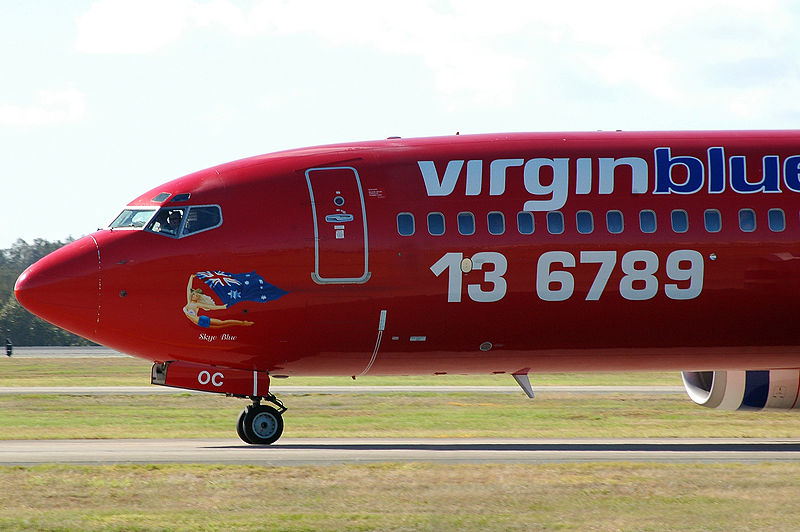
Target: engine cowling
(776, 389)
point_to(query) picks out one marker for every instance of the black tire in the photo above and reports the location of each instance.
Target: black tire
(262, 424)
(240, 425)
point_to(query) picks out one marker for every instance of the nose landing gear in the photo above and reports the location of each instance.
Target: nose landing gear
(261, 424)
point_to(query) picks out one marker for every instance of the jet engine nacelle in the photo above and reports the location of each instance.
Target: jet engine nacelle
(775, 389)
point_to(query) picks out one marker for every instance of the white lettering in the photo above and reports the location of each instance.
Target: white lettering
(451, 262)
(556, 278)
(606, 260)
(497, 174)
(693, 274)
(456, 266)
(447, 184)
(545, 276)
(715, 173)
(495, 277)
(558, 188)
(474, 177)
(583, 176)
(204, 377)
(639, 174)
(639, 284)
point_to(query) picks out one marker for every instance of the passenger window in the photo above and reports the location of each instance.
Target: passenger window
(584, 222)
(202, 219)
(647, 221)
(436, 223)
(466, 223)
(747, 220)
(525, 223)
(405, 224)
(614, 222)
(777, 220)
(497, 224)
(680, 221)
(713, 221)
(555, 222)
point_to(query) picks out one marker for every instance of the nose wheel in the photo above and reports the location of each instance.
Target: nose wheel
(261, 424)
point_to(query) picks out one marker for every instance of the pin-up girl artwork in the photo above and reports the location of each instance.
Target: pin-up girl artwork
(197, 301)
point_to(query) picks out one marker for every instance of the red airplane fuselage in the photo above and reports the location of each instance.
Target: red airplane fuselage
(584, 299)
(476, 254)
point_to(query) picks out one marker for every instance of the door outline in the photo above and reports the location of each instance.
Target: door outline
(315, 274)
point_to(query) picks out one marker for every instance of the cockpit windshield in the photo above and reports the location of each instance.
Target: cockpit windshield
(167, 222)
(202, 218)
(178, 222)
(132, 218)
(175, 222)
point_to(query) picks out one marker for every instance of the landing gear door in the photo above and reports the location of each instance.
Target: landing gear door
(341, 251)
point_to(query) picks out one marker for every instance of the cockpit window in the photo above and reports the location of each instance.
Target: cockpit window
(181, 197)
(167, 222)
(134, 218)
(183, 221)
(161, 198)
(201, 219)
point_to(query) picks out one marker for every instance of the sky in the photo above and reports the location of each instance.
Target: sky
(103, 100)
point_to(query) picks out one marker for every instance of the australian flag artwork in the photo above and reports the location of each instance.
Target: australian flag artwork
(234, 288)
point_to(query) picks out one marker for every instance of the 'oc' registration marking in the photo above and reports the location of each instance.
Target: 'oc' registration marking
(204, 377)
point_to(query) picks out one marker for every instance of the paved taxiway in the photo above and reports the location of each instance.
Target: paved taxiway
(66, 352)
(291, 451)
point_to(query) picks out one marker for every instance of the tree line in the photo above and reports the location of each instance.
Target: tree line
(16, 323)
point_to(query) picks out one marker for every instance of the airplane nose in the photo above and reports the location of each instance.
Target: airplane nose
(64, 287)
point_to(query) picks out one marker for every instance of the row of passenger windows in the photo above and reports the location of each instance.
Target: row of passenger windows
(585, 222)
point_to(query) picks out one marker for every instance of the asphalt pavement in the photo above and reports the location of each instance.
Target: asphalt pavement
(292, 451)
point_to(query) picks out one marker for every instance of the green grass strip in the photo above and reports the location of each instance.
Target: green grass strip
(393, 497)
(388, 415)
(129, 371)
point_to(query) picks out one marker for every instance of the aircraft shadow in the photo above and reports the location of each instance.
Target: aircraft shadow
(517, 447)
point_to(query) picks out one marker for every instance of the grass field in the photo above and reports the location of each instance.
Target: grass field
(129, 371)
(388, 415)
(599, 497)
(550, 415)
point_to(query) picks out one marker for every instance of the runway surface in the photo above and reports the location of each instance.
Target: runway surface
(290, 451)
(66, 352)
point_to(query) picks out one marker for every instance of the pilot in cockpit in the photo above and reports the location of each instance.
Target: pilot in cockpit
(173, 223)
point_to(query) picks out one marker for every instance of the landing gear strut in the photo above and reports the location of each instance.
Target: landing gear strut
(261, 424)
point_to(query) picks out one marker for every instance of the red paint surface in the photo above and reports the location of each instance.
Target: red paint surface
(126, 288)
